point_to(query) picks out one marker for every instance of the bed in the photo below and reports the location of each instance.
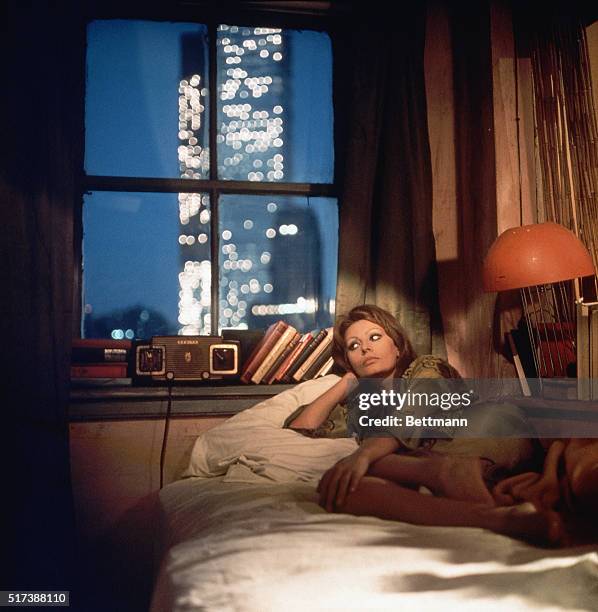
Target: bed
(243, 531)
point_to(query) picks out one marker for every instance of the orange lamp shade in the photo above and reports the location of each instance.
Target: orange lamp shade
(535, 255)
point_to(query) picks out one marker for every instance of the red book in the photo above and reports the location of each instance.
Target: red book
(305, 353)
(262, 349)
(288, 349)
(101, 343)
(99, 350)
(320, 342)
(288, 362)
(99, 370)
(273, 354)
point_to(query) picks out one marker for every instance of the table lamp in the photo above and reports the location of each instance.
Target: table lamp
(540, 260)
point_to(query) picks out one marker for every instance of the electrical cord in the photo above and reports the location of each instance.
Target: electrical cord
(170, 382)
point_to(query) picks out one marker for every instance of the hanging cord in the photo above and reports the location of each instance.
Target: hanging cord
(170, 381)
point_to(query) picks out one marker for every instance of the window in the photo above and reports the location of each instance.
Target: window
(209, 173)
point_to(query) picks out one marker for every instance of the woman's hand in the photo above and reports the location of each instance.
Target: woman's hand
(342, 479)
(349, 382)
(316, 412)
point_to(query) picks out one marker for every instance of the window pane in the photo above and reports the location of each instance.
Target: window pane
(146, 268)
(274, 105)
(277, 261)
(146, 99)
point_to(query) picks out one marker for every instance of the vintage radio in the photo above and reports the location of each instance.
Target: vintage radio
(186, 359)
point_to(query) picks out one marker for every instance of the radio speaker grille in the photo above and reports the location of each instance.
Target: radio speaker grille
(186, 359)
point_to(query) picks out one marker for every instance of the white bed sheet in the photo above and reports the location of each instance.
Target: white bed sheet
(266, 547)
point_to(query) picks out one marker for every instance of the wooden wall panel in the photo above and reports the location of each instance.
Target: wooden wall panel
(531, 180)
(438, 64)
(505, 103)
(480, 121)
(459, 99)
(516, 180)
(115, 464)
(115, 467)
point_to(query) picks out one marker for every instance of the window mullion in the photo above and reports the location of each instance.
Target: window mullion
(168, 185)
(214, 194)
(215, 267)
(213, 97)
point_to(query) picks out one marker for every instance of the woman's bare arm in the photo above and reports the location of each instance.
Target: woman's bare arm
(343, 477)
(377, 447)
(317, 411)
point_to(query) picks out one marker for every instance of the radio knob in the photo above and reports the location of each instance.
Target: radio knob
(205, 375)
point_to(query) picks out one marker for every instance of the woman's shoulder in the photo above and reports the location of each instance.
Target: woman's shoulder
(430, 366)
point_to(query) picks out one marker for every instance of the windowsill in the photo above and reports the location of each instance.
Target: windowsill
(118, 399)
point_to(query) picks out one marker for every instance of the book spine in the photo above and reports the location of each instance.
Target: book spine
(593, 342)
(519, 367)
(314, 354)
(262, 349)
(325, 369)
(290, 360)
(583, 352)
(247, 359)
(102, 343)
(270, 374)
(99, 355)
(99, 370)
(250, 364)
(319, 361)
(305, 353)
(273, 354)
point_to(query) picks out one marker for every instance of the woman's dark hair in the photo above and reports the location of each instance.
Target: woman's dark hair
(387, 322)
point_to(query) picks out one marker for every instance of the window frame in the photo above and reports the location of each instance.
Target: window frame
(318, 19)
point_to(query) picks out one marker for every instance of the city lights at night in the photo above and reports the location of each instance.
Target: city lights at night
(276, 254)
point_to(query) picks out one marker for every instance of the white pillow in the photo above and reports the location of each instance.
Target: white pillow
(255, 439)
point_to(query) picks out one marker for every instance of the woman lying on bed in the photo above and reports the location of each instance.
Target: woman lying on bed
(384, 476)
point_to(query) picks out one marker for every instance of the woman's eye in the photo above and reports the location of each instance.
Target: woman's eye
(352, 346)
(375, 336)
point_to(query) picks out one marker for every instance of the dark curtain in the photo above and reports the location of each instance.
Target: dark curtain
(41, 115)
(386, 247)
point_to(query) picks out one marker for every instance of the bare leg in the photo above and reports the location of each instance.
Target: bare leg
(387, 500)
(446, 475)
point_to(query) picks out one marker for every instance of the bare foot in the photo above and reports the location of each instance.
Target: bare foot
(527, 522)
(462, 478)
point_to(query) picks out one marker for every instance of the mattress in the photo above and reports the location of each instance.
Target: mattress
(248, 547)
(243, 531)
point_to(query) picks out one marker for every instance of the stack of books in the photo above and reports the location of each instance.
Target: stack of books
(285, 355)
(100, 358)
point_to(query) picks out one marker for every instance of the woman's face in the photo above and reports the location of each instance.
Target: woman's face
(370, 351)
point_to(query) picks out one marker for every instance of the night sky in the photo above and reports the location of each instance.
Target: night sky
(131, 245)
